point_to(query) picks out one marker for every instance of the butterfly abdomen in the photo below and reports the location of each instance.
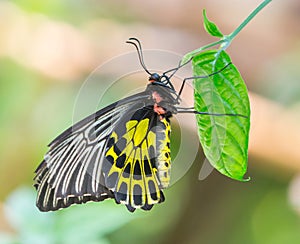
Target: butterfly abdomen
(164, 159)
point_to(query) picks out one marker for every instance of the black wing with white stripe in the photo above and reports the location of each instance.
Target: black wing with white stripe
(71, 170)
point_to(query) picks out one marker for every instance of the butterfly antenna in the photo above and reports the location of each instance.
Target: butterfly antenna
(139, 49)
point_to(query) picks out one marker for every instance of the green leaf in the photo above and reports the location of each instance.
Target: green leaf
(224, 138)
(210, 27)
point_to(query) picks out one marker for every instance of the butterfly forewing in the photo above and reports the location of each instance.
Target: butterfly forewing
(71, 171)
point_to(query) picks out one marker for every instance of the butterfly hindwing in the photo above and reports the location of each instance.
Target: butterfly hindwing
(137, 159)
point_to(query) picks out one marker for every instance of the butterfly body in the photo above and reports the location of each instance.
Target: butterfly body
(121, 152)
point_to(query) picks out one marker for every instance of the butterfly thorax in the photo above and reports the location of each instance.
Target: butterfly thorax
(162, 97)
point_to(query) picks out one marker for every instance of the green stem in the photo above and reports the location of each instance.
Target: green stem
(248, 19)
(191, 54)
(207, 46)
(226, 40)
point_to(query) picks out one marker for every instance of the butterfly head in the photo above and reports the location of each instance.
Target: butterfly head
(161, 80)
(154, 77)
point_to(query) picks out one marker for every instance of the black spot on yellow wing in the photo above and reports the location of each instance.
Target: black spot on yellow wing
(111, 142)
(137, 172)
(153, 190)
(147, 166)
(120, 163)
(137, 164)
(126, 171)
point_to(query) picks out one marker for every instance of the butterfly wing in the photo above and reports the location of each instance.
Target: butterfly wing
(137, 159)
(71, 171)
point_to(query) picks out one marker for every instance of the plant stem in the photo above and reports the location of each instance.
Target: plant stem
(248, 19)
(226, 40)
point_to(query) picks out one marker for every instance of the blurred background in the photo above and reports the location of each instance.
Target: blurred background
(48, 49)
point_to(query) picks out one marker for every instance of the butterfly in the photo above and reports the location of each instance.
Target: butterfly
(121, 152)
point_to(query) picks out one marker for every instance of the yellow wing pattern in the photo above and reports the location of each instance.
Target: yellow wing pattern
(137, 160)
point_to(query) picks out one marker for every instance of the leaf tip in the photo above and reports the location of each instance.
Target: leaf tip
(204, 13)
(210, 27)
(246, 180)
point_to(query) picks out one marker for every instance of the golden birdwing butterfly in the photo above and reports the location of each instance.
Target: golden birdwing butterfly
(120, 152)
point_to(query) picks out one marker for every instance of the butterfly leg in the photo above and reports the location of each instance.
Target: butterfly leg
(199, 77)
(188, 110)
